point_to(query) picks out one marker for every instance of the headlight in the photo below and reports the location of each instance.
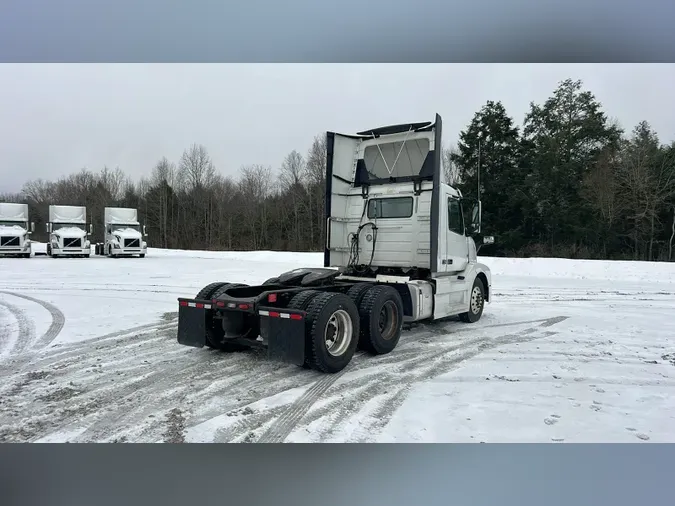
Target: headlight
(87, 244)
(116, 246)
(145, 244)
(55, 245)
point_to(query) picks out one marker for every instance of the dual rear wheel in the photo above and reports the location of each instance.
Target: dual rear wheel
(369, 317)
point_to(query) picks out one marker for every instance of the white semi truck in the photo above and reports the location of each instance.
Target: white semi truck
(123, 233)
(15, 230)
(68, 232)
(399, 247)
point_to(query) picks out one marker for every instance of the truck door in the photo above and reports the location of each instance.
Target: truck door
(457, 253)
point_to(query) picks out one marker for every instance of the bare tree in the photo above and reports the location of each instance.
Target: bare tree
(196, 167)
(451, 171)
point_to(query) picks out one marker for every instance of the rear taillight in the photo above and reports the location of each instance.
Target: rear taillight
(296, 316)
(272, 297)
(244, 306)
(182, 303)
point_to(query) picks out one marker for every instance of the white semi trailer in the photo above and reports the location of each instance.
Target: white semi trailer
(68, 232)
(123, 233)
(15, 230)
(399, 247)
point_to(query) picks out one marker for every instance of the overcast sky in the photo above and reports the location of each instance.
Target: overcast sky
(56, 119)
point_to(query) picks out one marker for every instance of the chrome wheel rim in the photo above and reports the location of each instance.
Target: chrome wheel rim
(476, 300)
(338, 333)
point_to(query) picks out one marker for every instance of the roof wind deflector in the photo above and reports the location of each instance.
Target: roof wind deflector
(396, 129)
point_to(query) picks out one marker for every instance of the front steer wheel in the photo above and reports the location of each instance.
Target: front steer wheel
(476, 303)
(332, 332)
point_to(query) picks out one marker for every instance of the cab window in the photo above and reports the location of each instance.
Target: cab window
(396, 207)
(455, 217)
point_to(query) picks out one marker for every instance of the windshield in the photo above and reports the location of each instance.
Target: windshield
(400, 158)
(60, 226)
(137, 228)
(4, 223)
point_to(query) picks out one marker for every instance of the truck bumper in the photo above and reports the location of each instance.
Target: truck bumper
(15, 251)
(71, 251)
(128, 251)
(283, 330)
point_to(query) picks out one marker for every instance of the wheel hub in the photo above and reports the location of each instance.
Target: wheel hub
(388, 320)
(339, 333)
(476, 300)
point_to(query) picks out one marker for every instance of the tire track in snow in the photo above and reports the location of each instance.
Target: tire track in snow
(285, 424)
(407, 368)
(58, 319)
(146, 376)
(26, 329)
(394, 384)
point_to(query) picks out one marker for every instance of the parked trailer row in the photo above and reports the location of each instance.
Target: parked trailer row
(68, 232)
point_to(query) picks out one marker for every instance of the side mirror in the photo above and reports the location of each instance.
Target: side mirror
(145, 234)
(32, 227)
(47, 227)
(91, 228)
(474, 225)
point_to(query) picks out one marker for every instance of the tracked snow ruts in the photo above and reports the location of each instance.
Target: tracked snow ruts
(26, 329)
(394, 384)
(413, 365)
(283, 426)
(52, 356)
(58, 319)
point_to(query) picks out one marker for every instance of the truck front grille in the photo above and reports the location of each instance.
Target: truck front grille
(9, 241)
(132, 243)
(72, 243)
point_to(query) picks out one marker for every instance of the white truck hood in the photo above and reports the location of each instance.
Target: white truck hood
(13, 231)
(127, 233)
(70, 233)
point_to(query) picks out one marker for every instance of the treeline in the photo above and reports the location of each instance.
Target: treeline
(568, 182)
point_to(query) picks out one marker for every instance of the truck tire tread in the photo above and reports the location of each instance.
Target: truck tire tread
(370, 308)
(208, 290)
(469, 316)
(300, 303)
(357, 292)
(318, 313)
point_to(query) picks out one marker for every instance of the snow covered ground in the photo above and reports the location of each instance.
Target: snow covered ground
(568, 351)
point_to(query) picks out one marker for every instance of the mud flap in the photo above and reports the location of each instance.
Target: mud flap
(192, 326)
(285, 334)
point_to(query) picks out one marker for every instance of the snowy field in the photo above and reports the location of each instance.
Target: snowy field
(568, 351)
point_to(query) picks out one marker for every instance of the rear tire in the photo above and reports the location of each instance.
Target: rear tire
(332, 331)
(206, 292)
(476, 303)
(381, 311)
(300, 302)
